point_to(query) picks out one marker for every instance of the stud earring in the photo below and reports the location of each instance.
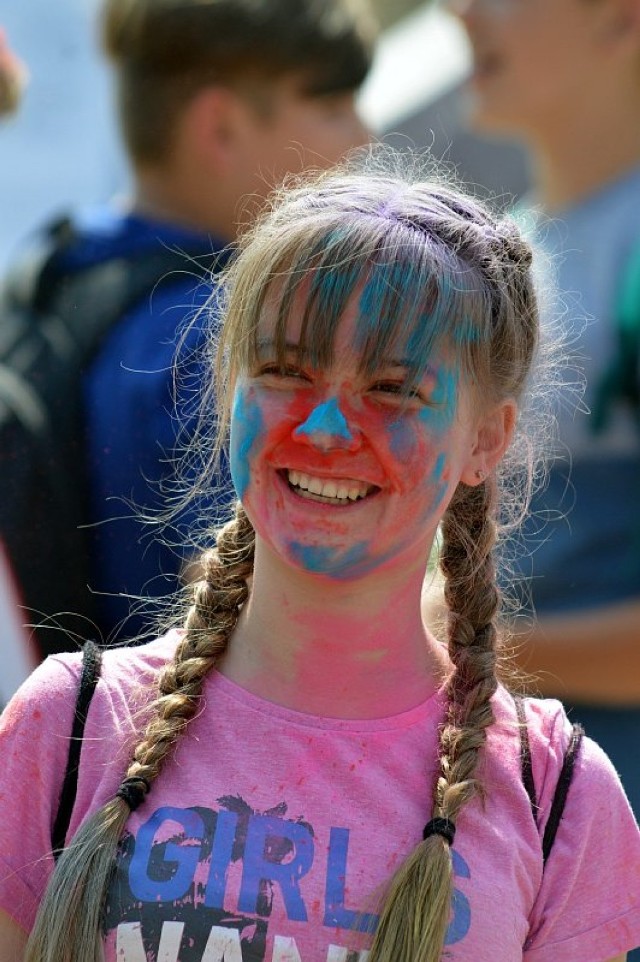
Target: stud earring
(480, 475)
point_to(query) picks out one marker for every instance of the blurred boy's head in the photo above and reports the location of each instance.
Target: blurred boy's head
(537, 62)
(13, 75)
(239, 92)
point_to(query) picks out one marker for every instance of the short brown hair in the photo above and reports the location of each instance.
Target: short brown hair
(166, 50)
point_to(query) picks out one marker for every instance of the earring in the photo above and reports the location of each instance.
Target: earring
(480, 475)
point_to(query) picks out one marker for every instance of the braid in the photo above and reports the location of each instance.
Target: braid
(415, 916)
(68, 927)
(209, 624)
(469, 535)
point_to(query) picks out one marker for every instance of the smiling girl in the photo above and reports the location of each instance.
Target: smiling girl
(304, 772)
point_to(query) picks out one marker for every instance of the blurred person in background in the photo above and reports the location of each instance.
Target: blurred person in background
(218, 100)
(19, 657)
(564, 76)
(61, 150)
(12, 77)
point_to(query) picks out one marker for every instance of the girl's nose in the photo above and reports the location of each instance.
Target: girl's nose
(326, 429)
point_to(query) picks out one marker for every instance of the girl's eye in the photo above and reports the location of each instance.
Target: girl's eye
(396, 389)
(286, 372)
(388, 387)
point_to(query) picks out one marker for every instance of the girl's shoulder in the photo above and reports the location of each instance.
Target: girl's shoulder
(571, 775)
(581, 810)
(45, 705)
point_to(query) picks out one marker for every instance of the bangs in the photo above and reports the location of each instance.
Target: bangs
(413, 294)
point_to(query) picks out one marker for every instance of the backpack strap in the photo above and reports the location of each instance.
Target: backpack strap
(562, 790)
(564, 779)
(91, 666)
(526, 765)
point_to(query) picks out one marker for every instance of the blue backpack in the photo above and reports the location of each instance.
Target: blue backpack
(53, 321)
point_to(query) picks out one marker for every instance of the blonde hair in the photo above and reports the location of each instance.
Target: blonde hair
(432, 264)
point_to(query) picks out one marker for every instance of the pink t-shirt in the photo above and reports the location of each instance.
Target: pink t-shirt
(270, 833)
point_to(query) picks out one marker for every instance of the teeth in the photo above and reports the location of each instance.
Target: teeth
(327, 489)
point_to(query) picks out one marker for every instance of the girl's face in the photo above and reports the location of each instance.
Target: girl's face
(339, 474)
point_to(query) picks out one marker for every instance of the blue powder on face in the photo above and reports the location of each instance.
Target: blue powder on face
(246, 426)
(326, 421)
(437, 419)
(439, 467)
(444, 396)
(324, 559)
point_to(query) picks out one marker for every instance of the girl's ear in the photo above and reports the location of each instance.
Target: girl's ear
(493, 437)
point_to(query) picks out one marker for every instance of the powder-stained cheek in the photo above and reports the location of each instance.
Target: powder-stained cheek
(247, 426)
(419, 442)
(409, 437)
(444, 398)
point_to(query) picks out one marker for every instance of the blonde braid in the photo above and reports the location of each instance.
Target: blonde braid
(209, 624)
(68, 926)
(415, 916)
(469, 535)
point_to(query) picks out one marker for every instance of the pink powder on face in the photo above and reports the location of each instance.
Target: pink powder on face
(334, 425)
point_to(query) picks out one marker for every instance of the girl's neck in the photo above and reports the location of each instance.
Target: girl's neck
(335, 649)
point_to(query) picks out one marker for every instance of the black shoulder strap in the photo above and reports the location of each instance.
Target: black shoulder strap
(525, 756)
(91, 665)
(562, 789)
(564, 779)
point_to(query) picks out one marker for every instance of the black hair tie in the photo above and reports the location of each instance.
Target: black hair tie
(133, 791)
(440, 826)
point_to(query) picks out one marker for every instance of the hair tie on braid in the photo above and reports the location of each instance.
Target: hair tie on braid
(440, 826)
(134, 791)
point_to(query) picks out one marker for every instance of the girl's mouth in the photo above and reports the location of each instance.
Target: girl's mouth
(337, 491)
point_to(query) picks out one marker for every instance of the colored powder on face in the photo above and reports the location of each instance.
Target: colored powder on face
(325, 559)
(436, 419)
(438, 468)
(325, 422)
(246, 426)
(444, 397)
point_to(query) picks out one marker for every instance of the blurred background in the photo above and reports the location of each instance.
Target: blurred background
(60, 149)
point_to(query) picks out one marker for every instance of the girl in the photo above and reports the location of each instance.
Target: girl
(318, 777)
